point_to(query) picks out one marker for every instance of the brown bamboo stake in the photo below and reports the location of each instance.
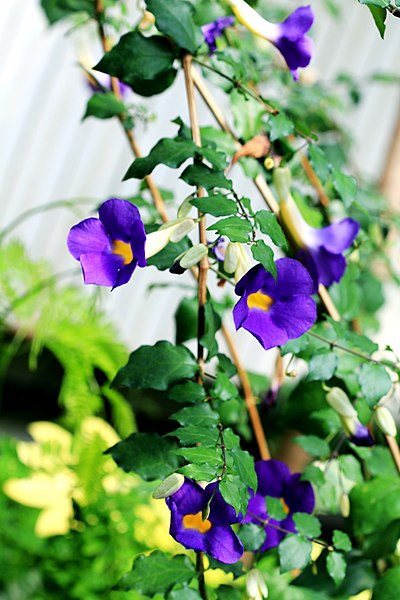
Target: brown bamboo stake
(314, 179)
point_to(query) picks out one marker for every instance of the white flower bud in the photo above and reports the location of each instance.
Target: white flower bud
(174, 231)
(231, 257)
(181, 230)
(193, 256)
(385, 421)
(344, 505)
(244, 263)
(185, 207)
(340, 402)
(256, 588)
(282, 180)
(169, 486)
(349, 425)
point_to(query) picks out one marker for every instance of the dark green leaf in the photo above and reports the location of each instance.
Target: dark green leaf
(281, 127)
(341, 541)
(235, 493)
(336, 566)
(216, 205)
(235, 228)
(264, 255)
(269, 225)
(223, 388)
(157, 367)
(202, 415)
(157, 573)
(59, 9)
(345, 185)
(375, 504)
(104, 106)
(200, 454)
(379, 16)
(294, 553)
(168, 151)
(147, 454)
(165, 259)
(319, 161)
(151, 87)
(201, 175)
(322, 366)
(252, 536)
(187, 393)
(213, 324)
(375, 382)
(388, 587)
(176, 21)
(186, 320)
(138, 58)
(192, 434)
(184, 593)
(243, 464)
(307, 525)
(313, 445)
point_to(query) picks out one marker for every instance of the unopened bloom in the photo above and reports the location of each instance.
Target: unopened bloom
(109, 248)
(201, 520)
(385, 421)
(320, 250)
(357, 432)
(237, 260)
(174, 231)
(256, 587)
(275, 310)
(276, 481)
(288, 37)
(212, 31)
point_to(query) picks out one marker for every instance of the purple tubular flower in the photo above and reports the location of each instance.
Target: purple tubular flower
(291, 41)
(362, 436)
(275, 311)
(219, 248)
(212, 31)
(201, 520)
(275, 480)
(109, 248)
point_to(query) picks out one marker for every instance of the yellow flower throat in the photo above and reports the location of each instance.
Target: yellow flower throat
(260, 301)
(123, 249)
(196, 522)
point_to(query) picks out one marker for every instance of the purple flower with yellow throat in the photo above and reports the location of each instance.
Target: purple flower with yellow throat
(320, 250)
(215, 29)
(289, 37)
(111, 247)
(276, 481)
(275, 310)
(201, 520)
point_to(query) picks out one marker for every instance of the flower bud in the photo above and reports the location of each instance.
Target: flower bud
(174, 231)
(185, 208)
(231, 257)
(384, 420)
(181, 230)
(244, 263)
(340, 402)
(344, 505)
(256, 588)
(282, 180)
(169, 486)
(193, 256)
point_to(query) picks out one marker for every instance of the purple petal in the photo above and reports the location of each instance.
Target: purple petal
(262, 327)
(336, 237)
(124, 274)
(273, 476)
(299, 495)
(292, 278)
(274, 536)
(189, 538)
(330, 267)
(101, 269)
(362, 436)
(221, 512)
(256, 509)
(253, 281)
(297, 23)
(88, 236)
(138, 239)
(212, 31)
(189, 499)
(296, 54)
(118, 217)
(224, 545)
(294, 316)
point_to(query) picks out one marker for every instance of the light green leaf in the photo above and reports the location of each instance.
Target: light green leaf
(375, 504)
(388, 586)
(341, 540)
(307, 525)
(319, 161)
(294, 553)
(313, 445)
(235, 493)
(216, 205)
(345, 185)
(200, 454)
(280, 127)
(252, 536)
(243, 464)
(264, 255)
(322, 366)
(336, 566)
(235, 228)
(375, 382)
(269, 225)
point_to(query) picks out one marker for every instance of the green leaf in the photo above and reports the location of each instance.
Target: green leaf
(381, 3)
(264, 255)
(322, 366)
(350, 467)
(319, 161)
(341, 541)
(235, 493)
(199, 472)
(223, 388)
(375, 504)
(201, 175)
(294, 553)
(280, 127)
(176, 21)
(157, 367)
(168, 151)
(104, 106)
(243, 464)
(336, 566)
(187, 393)
(201, 414)
(235, 228)
(216, 205)
(269, 225)
(138, 58)
(147, 454)
(157, 573)
(313, 445)
(184, 593)
(186, 320)
(151, 87)
(192, 434)
(252, 536)
(314, 475)
(200, 454)
(307, 525)
(375, 382)
(345, 185)
(56, 10)
(388, 587)
(213, 324)
(379, 16)
(275, 508)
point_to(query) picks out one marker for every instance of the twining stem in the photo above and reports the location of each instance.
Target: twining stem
(259, 181)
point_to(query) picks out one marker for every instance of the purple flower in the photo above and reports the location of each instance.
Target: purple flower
(201, 520)
(212, 31)
(218, 249)
(289, 36)
(109, 248)
(276, 481)
(275, 311)
(101, 82)
(357, 432)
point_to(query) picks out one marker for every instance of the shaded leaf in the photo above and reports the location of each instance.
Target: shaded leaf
(175, 19)
(202, 175)
(264, 255)
(269, 225)
(375, 382)
(336, 566)
(104, 106)
(294, 553)
(216, 205)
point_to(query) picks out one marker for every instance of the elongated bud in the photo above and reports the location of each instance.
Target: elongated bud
(384, 420)
(181, 230)
(349, 425)
(282, 180)
(344, 505)
(231, 257)
(256, 588)
(185, 207)
(193, 256)
(169, 486)
(174, 231)
(340, 402)
(244, 263)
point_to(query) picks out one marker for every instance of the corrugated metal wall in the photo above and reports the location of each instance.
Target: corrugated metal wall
(47, 153)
